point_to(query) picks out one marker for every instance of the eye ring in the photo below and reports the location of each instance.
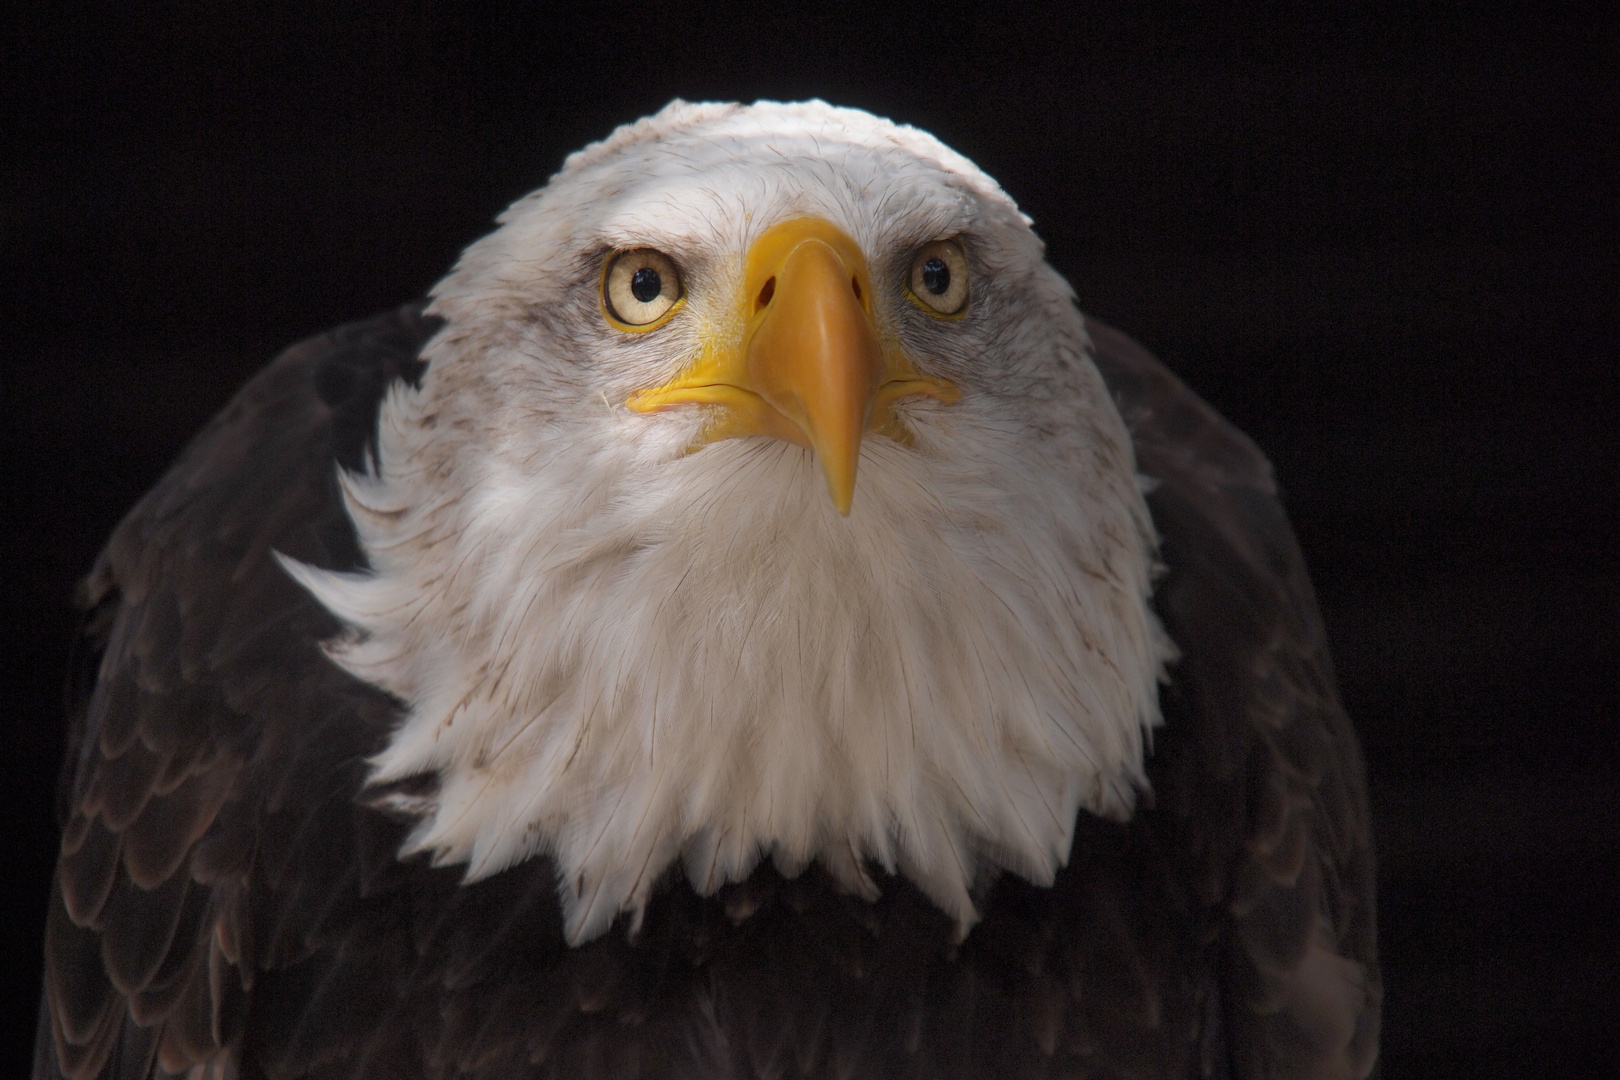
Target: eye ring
(938, 281)
(641, 289)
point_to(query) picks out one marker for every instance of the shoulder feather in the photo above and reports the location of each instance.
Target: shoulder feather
(1266, 777)
(208, 693)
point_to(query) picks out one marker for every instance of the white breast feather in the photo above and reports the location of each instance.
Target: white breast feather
(619, 655)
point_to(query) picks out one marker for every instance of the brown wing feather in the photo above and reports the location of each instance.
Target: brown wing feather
(208, 668)
(1268, 780)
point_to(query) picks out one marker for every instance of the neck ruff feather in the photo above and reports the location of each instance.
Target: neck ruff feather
(620, 663)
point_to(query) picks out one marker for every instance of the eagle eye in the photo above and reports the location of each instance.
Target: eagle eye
(640, 289)
(939, 278)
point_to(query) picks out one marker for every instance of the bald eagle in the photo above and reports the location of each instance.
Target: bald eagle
(748, 623)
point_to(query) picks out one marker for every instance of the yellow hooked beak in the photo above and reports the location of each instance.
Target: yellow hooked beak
(809, 367)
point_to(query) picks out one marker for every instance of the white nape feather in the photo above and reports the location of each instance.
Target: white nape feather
(620, 655)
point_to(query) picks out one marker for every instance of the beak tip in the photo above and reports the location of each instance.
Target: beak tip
(842, 495)
(840, 487)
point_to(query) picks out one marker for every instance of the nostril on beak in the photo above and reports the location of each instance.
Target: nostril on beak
(765, 294)
(855, 283)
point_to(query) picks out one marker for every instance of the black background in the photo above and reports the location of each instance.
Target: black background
(1382, 241)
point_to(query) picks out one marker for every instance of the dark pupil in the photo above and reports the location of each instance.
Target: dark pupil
(646, 285)
(936, 276)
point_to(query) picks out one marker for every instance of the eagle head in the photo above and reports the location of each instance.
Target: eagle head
(759, 500)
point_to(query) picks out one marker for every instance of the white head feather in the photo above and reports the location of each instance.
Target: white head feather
(619, 654)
